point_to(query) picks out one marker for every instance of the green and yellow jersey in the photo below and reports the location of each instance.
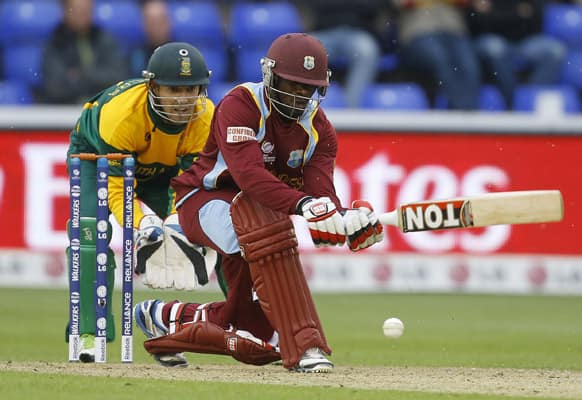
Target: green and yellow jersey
(120, 120)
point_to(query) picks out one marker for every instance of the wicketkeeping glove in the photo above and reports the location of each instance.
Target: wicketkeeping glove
(188, 265)
(362, 226)
(148, 238)
(166, 259)
(325, 224)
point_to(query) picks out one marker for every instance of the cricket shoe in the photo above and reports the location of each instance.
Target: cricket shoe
(148, 317)
(87, 348)
(171, 360)
(314, 361)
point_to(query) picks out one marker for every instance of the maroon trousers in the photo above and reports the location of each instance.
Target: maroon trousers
(239, 309)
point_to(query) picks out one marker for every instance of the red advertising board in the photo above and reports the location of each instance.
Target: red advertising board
(387, 169)
(405, 167)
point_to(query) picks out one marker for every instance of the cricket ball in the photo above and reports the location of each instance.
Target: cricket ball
(393, 328)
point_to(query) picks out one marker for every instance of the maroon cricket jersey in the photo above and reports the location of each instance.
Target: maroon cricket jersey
(252, 148)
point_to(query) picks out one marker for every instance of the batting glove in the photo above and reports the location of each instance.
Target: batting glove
(362, 226)
(325, 223)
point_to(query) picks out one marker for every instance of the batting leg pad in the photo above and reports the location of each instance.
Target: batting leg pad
(268, 243)
(208, 338)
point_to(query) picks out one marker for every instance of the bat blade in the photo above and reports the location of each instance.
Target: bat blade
(519, 207)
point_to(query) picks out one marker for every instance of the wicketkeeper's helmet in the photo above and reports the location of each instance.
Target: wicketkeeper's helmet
(177, 64)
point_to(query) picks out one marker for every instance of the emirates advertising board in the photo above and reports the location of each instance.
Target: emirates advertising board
(386, 169)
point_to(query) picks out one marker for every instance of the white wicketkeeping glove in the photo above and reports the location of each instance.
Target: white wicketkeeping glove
(325, 223)
(188, 266)
(149, 253)
(166, 259)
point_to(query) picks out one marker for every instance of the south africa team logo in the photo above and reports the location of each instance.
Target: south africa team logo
(185, 63)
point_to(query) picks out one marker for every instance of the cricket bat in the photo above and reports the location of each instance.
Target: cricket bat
(519, 207)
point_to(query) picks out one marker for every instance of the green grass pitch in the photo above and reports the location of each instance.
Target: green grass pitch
(441, 330)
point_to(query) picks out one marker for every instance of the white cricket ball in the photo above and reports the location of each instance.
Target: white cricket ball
(393, 328)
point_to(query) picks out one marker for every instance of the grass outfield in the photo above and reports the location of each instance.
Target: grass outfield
(460, 332)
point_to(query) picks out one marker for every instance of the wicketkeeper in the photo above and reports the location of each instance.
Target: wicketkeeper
(270, 154)
(163, 121)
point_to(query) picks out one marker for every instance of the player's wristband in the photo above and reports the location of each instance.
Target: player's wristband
(300, 203)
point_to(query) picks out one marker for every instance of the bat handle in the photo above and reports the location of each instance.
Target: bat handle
(389, 218)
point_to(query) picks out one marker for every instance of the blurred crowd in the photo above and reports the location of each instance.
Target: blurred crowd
(488, 55)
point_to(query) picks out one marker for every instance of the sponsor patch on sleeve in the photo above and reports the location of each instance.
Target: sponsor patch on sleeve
(237, 134)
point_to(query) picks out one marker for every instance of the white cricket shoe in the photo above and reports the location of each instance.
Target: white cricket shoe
(148, 317)
(313, 360)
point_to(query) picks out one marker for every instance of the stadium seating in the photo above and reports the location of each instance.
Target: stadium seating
(260, 23)
(25, 21)
(490, 99)
(23, 63)
(388, 62)
(247, 32)
(396, 96)
(217, 90)
(252, 29)
(14, 92)
(550, 99)
(572, 69)
(121, 18)
(247, 64)
(564, 21)
(200, 23)
(335, 97)
(196, 21)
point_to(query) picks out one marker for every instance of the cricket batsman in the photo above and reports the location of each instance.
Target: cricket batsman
(270, 154)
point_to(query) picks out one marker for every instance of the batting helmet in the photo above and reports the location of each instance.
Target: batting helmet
(300, 58)
(296, 57)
